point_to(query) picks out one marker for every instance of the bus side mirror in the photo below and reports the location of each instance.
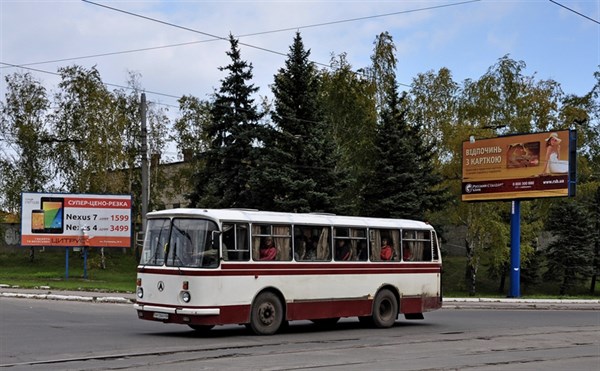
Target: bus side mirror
(214, 237)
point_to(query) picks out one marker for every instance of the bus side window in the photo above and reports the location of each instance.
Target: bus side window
(435, 246)
(358, 243)
(271, 242)
(312, 243)
(324, 244)
(385, 244)
(236, 242)
(416, 245)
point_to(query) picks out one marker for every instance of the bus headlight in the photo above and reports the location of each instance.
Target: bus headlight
(185, 296)
(140, 292)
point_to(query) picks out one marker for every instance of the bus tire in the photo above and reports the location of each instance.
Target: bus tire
(385, 309)
(266, 316)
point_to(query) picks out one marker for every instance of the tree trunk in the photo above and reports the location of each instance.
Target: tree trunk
(502, 281)
(564, 285)
(102, 258)
(471, 271)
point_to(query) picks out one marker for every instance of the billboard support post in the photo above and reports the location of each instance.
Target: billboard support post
(66, 264)
(515, 249)
(85, 250)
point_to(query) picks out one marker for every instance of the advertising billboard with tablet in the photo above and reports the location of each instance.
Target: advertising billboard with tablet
(75, 220)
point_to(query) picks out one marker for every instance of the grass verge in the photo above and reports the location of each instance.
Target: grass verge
(48, 269)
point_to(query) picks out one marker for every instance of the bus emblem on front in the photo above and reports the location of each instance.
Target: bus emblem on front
(161, 286)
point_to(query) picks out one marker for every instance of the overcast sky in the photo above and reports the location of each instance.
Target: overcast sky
(467, 37)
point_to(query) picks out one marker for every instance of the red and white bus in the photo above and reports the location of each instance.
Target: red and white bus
(203, 267)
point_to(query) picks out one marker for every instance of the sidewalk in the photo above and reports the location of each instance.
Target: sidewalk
(449, 303)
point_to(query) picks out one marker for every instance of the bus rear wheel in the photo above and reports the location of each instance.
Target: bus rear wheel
(385, 309)
(267, 314)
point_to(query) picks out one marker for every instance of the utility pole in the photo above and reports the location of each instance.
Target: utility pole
(145, 185)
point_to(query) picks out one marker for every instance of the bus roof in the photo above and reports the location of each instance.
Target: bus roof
(255, 216)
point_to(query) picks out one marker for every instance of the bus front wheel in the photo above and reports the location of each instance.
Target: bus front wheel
(267, 314)
(385, 309)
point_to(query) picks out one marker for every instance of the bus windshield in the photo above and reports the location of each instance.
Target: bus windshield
(155, 242)
(181, 243)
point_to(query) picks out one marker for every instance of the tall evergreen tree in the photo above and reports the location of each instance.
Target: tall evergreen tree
(230, 170)
(402, 181)
(299, 167)
(570, 255)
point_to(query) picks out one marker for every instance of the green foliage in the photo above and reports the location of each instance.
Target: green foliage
(569, 254)
(234, 135)
(190, 127)
(349, 103)
(84, 132)
(382, 71)
(23, 127)
(401, 182)
(299, 164)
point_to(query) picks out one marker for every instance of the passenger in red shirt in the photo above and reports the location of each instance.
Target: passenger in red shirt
(386, 250)
(267, 251)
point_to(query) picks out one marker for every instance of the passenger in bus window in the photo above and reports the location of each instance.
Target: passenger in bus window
(267, 251)
(386, 250)
(406, 253)
(342, 250)
(311, 250)
(361, 251)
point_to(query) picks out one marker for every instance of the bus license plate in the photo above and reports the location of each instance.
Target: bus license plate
(162, 316)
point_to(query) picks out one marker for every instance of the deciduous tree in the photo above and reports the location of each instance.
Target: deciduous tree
(24, 156)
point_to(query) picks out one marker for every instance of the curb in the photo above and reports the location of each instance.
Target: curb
(95, 299)
(44, 293)
(523, 304)
(521, 301)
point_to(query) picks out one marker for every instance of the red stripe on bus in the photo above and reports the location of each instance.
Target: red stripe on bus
(281, 271)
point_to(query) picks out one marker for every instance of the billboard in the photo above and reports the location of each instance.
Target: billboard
(69, 220)
(519, 166)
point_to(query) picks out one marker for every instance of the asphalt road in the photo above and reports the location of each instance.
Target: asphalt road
(78, 335)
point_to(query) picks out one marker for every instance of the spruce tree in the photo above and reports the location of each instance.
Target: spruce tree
(402, 182)
(299, 167)
(570, 255)
(230, 159)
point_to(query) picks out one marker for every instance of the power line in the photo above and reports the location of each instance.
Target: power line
(112, 53)
(180, 27)
(216, 37)
(576, 12)
(105, 83)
